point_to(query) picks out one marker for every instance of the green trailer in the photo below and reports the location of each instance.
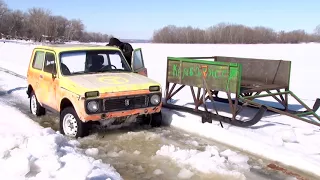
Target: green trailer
(246, 78)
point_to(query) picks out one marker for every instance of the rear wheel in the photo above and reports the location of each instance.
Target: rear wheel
(71, 125)
(35, 107)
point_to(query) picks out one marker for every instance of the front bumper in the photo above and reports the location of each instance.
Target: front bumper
(113, 105)
(117, 114)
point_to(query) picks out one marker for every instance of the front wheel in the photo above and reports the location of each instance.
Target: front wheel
(155, 120)
(71, 125)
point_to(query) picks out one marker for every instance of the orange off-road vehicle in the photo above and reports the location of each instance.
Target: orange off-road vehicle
(86, 83)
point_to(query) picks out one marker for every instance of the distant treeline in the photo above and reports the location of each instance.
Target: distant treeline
(224, 33)
(40, 24)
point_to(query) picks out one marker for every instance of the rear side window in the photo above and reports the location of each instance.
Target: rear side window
(38, 60)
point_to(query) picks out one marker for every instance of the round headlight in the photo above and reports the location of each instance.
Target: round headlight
(93, 106)
(155, 99)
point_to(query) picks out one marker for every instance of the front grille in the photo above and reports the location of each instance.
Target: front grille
(125, 103)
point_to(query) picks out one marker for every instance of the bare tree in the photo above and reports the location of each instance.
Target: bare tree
(37, 23)
(230, 34)
(39, 20)
(317, 30)
(3, 10)
(15, 23)
(74, 29)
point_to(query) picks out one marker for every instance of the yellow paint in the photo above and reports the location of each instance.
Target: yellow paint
(113, 80)
(51, 91)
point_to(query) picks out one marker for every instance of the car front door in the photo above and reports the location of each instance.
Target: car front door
(49, 81)
(137, 63)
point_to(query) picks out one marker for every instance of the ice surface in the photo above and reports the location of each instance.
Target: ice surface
(276, 137)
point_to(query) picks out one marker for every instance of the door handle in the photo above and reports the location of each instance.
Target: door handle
(41, 76)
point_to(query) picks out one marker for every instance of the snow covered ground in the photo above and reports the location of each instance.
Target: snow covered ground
(278, 138)
(171, 154)
(29, 151)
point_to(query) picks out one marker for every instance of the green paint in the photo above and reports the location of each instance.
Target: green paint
(195, 71)
(222, 76)
(203, 62)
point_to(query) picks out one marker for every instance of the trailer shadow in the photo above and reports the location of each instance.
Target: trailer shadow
(224, 109)
(294, 107)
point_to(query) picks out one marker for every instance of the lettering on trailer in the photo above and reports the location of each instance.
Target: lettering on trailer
(219, 75)
(196, 71)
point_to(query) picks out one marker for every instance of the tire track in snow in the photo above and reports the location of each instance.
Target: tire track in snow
(12, 73)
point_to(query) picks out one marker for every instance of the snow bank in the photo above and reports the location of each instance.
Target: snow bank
(28, 151)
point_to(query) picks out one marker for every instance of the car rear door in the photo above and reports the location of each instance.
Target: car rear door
(137, 62)
(35, 72)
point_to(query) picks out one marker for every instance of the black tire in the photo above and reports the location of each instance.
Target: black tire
(38, 110)
(156, 119)
(81, 128)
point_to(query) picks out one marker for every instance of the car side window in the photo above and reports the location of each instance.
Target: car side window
(49, 63)
(138, 60)
(38, 60)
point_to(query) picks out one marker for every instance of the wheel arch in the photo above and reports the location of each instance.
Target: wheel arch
(29, 90)
(65, 102)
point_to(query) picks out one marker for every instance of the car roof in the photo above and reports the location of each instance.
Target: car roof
(74, 47)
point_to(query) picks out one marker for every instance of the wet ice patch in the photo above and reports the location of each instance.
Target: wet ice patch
(207, 161)
(157, 172)
(92, 152)
(148, 136)
(194, 143)
(115, 154)
(185, 174)
(136, 152)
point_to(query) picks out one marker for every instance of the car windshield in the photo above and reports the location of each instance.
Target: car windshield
(88, 62)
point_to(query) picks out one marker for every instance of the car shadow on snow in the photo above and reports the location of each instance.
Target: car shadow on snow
(4, 93)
